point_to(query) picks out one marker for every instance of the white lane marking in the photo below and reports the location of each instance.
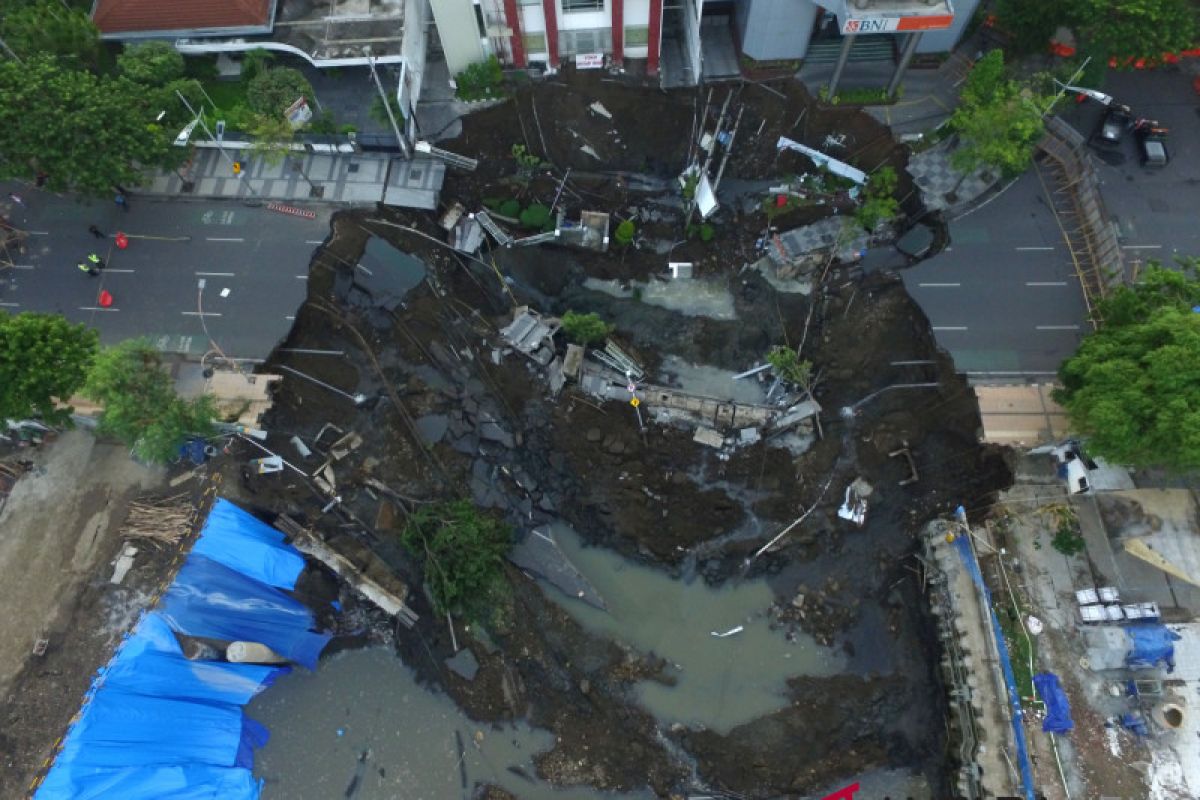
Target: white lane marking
(201, 313)
(1057, 327)
(1005, 372)
(364, 269)
(934, 285)
(38, 233)
(97, 308)
(301, 277)
(217, 274)
(289, 316)
(220, 239)
(22, 266)
(1045, 283)
(314, 241)
(1142, 247)
(122, 271)
(10, 305)
(949, 327)
(1035, 248)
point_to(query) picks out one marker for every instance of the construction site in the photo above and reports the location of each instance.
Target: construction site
(726, 579)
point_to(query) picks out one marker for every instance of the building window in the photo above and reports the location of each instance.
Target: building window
(637, 37)
(596, 40)
(582, 5)
(529, 2)
(534, 42)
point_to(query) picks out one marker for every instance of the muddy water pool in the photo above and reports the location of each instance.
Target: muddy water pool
(721, 682)
(368, 701)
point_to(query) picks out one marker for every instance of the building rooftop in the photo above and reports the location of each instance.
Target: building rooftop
(117, 19)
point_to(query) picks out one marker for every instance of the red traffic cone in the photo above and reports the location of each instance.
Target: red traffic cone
(122, 240)
(106, 299)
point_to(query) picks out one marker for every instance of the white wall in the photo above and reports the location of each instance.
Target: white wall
(691, 26)
(459, 34)
(941, 41)
(775, 29)
(416, 15)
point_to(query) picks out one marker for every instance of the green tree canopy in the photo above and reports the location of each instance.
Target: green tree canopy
(86, 133)
(141, 407)
(50, 28)
(787, 366)
(1133, 387)
(879, 202)
(43, 359)
(585, 328)
(273, 90)
(462, 551)
(151, 63)
(998, 120)
(1120, 29)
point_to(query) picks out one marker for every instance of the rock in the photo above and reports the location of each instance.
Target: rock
(616, 447)
(798, 601)
(432, 428)
(467, 445)
(585, 685)
(464, 664)
(493, 432)
(594, 435)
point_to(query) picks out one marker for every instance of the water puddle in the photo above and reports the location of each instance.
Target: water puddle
(693, 298)
(712, 382)
(721, 682)
(368, 701)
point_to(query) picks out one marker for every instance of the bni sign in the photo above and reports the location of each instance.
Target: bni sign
(928, 22)
(589, 61)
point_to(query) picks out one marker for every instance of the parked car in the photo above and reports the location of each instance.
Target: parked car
(1152, 143)
(1113, 124)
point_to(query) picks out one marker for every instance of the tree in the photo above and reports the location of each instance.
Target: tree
(43, 361)
(1031, 23)
(585, 328)
(1133, 386)
(273, 90)
(1131, 29)
(272, 137)
(998, 120)
(462, 551)
(87, 134)
(255, 62)
(787, 366)
(151, 63)
(625, 232)
(141, 407)
(879, 199)
(49, 28)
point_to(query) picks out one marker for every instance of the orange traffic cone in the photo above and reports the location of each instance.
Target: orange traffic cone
(106, 299)
(122, 240)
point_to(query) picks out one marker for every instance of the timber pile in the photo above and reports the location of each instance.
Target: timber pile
(159, 520)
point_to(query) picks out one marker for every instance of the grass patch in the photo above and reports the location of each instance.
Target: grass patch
(862, 97)
(1022, 651)
(226, 94)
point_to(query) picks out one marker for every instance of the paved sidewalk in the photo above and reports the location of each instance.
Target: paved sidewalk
(349, 178)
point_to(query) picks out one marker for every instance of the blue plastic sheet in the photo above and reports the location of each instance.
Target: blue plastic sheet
(210, 599)
(1058, 708)
(243, 543)
(1151, 644)
(157, 725)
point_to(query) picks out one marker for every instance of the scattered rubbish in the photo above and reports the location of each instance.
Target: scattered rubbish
(123, 564)
(709, 437)
(225, 292)
(445, 156)
(179, 480)
(749, 372)
(452, 216)
(467, 235)
(493, 229)
(340, 732)
(730, 632)
(591, 151)
(301, 447)
(614, 357)
(267, 465)
(345, 445)
(40, 646)
(854, 507)
(681, 270)
(590, 233)
(160, 521)
(1033, 625)
(573, 361)
(599, 108)
(1058, 708)
(539, 554)
(906, 454)
(1135, 723)
(252, 653)
(531, 335)
(835, 166)
(748, 436)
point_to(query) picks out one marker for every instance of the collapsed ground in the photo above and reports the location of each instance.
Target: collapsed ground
(655, 496)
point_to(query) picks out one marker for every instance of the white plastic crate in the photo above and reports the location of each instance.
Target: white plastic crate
(1087, 597)
(1109, 594)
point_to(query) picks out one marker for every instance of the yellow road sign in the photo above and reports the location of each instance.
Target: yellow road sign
(635, 402)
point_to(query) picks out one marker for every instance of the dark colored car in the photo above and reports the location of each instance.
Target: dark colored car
(1152, 143)
(1113, 125)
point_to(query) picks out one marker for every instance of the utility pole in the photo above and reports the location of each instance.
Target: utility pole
(200, 118)
(387, 106)
(11, 54)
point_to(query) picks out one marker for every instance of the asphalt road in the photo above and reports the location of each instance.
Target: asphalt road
(1003, 298)
(254, 263)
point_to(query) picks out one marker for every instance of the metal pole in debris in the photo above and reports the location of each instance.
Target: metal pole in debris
(558, 194)
(728, 150)
(387, 106)
(708, 159)
(357, 399)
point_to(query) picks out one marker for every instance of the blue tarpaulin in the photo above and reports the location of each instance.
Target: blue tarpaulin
(249, 546)
(1151, 644)
(1058, 709)
(157, 725)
